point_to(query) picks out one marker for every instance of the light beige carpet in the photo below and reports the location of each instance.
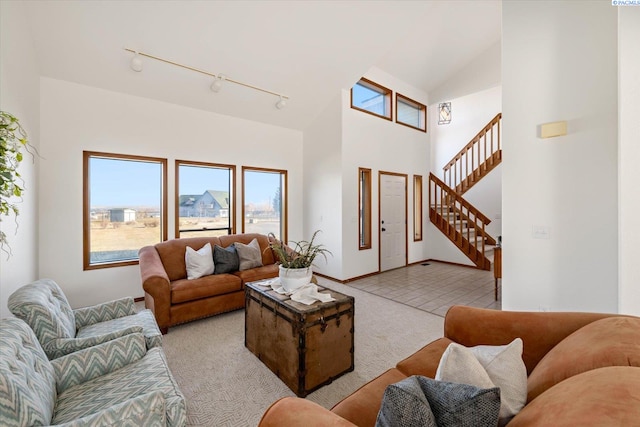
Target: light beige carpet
(226, 385)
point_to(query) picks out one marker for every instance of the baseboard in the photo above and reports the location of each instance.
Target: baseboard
(454, 263)
(375, 273)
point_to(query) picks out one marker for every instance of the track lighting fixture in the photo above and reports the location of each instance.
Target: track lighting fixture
(216, 85)
(281, 103)
(136, 62)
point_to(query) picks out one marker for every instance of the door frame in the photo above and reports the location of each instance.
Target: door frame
(406, 217)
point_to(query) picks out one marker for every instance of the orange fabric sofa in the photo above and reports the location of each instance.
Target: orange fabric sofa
(174, 299)
(583, 369)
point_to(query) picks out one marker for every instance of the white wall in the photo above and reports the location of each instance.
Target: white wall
(629, 157)
(19, 91)
(323, 181)
(381, 145)
(481, 73)
(559, 63)
(76, 118)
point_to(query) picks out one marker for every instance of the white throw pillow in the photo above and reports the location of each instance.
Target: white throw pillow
(507, 370)
(459, 365)
(487, 366)
(199, 263)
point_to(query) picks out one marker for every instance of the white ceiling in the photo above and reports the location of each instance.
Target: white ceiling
(307, 50)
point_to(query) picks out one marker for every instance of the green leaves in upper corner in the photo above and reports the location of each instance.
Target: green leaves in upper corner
(13, 140)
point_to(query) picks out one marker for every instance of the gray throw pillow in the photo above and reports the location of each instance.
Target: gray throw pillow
(405, 405)
(250, 255)
(225, 259)
(451, 404)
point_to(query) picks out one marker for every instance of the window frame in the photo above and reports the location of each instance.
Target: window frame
(388, 95)
(422, 109)
(86, 197)
(232, 196)
(418, 191)
(285, 199)
(364, 209)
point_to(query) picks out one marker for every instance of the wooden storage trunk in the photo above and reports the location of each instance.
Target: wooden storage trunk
(306, 346)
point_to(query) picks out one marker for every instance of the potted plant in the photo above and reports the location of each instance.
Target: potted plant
(296, 261)
(13, 140)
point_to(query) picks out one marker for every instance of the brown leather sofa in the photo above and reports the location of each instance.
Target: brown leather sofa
(174, 299)
(576, 376)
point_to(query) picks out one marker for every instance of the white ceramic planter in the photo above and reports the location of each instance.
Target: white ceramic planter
(294, 278)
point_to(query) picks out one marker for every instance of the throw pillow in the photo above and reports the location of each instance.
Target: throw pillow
(250, 255)
(450, 404)
(405, 405)
(225, 259)
(487, 366)
(199, 263)
(507, 370)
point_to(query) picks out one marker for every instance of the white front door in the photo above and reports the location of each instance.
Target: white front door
(393, 221)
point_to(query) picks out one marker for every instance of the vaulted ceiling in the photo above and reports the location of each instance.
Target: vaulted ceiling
(306, 50)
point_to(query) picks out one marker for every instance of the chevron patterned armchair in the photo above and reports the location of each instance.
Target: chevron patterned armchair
(62, 330)
(117, 383)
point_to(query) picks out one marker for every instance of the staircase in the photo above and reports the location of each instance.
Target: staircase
(476, 159)
(454, 216)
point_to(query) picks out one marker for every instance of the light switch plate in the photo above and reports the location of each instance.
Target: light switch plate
(541, 232)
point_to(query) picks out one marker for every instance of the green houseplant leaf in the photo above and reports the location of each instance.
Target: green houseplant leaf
(301, 255)
(13, 140)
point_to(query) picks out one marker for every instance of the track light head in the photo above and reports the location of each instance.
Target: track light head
(217, 83)
(281, 103)
(136, 62)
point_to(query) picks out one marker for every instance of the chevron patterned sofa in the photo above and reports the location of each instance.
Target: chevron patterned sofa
(116, 383)
(62, 330)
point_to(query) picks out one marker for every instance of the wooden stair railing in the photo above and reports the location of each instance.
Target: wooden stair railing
(476, 159)
(459, 220)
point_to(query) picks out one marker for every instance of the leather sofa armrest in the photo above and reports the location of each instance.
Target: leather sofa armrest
(540, 331)
(294, 411)
(156, 285)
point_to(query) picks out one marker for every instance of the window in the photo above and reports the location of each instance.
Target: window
(264, 201)
(205, 203)
(417, 208)
(371, 98)
(411, 113)
(125, 205)
(364, 208)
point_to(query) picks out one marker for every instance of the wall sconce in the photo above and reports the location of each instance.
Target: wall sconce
(444, 113)
(219, 79)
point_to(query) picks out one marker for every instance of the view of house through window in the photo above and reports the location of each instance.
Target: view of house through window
(204, 203)
(264, 201)
(124, 207)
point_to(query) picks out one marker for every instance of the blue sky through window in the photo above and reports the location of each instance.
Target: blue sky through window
(135, 183)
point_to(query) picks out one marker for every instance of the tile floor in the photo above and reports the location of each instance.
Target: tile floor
(434, 287)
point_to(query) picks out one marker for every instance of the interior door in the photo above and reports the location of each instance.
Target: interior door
(393, 221)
